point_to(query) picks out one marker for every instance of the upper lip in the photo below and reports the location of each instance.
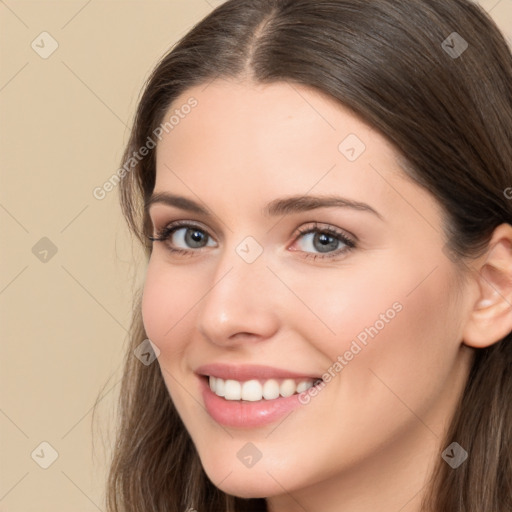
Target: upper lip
(244, 373)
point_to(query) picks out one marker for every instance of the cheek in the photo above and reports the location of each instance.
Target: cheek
(168, 297)
(359, 303)
(383, 318)
(403, 329)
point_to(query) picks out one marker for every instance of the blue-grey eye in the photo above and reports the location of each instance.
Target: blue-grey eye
(190, 238)
(320, 242)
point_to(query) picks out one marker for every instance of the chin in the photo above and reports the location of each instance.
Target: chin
(243, 482)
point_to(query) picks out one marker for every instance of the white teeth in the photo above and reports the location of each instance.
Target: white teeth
(233, 390)
(288, 387)
(219, 386)
(252, 391)
(303, 386)
(255, 390)
(270, 389)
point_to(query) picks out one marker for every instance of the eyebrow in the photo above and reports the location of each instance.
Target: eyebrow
(283, 206)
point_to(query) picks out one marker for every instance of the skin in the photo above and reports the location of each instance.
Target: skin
(369, 440)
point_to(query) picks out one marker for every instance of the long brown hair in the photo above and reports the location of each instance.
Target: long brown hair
(446, 107)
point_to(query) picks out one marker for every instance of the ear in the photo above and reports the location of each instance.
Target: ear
(491, 318)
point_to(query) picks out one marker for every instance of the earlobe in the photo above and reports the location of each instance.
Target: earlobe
(491, 317)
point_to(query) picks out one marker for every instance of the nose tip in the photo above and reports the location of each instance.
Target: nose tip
(239, 306)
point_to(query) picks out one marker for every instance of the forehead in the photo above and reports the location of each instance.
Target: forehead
(261, 116)
(240, 122)
(250, 143)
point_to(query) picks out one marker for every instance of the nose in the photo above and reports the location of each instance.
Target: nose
(242, 303)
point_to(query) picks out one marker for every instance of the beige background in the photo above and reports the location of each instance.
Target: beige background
(63, 320)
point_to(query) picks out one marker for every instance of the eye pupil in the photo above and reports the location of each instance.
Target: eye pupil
(326, 242)
(195, 238)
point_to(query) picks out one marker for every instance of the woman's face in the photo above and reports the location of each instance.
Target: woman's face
(305, 253)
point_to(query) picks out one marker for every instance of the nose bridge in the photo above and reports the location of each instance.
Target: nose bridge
(240, 298)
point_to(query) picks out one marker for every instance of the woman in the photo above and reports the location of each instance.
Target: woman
(329, 280)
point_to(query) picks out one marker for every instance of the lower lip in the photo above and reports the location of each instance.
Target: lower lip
(244, 414)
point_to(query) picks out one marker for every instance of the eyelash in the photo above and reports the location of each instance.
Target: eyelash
(165, 233)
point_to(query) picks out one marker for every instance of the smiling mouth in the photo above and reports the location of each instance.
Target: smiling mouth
(256, 389)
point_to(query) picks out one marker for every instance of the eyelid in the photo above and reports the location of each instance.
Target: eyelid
(179, 224)
(328, 228)
(170, 228)
(159, 214)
